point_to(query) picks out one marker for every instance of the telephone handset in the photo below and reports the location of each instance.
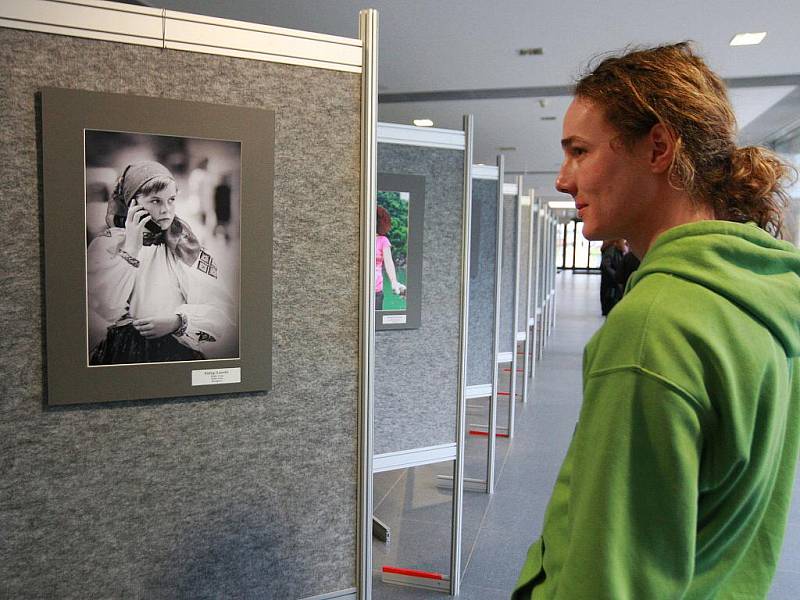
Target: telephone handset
(151, 225)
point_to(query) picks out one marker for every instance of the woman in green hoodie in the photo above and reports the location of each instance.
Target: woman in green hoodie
(678, 479)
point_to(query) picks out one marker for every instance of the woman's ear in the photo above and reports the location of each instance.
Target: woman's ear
(661, 147)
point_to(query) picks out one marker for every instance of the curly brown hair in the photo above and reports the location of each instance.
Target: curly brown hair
(384, 222)
(673, 86)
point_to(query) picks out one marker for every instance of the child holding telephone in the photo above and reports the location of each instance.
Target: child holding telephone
(150, 284)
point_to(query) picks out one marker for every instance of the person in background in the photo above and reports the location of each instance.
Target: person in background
(222, 207)
(612, 252)
(678, 480)
(629, 264)
(383, 258)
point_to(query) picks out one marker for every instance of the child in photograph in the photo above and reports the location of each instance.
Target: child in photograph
(383, 259)
(151, 286)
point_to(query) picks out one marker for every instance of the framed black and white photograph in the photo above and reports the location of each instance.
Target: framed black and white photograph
(398, 251)
(158, 245)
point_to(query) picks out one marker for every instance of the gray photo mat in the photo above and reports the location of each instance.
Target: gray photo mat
(66, 113)
(508, 274)
(483, 268)
(416, 370)
(415, 186)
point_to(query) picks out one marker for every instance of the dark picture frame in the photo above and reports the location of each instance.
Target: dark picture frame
(411, 316)
(66, 116)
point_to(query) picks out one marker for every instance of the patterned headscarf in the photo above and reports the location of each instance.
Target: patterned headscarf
(179, 237)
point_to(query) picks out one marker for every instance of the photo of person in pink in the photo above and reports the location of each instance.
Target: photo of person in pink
(385, 261)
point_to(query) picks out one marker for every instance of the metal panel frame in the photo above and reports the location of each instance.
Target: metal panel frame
(530, 271)
(145, 26)
(512, 398)
(533, 329)
(411, 135)
(492, 445)
(461, 402)
(416, 457)
(368, 32)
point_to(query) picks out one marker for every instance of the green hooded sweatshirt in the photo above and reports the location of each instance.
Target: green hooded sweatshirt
(678, 480)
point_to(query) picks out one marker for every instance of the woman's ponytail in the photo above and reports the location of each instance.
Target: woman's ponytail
(755, 189)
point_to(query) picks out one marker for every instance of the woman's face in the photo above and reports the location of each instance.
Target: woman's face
(161, 205)
(610, 184)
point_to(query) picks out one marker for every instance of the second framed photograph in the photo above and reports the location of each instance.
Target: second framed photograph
(398, 251)
(157, 247)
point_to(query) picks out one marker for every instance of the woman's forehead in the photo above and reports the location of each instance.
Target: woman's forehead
(585, 120)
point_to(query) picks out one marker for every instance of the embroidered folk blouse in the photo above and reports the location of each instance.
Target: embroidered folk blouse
(119, 292)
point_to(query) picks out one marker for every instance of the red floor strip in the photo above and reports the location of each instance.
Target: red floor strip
(486, 433)
(413, 573)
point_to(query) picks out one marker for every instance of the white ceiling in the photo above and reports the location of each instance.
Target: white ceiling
(467, 45)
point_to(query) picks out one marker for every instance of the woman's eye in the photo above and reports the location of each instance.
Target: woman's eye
(578, 151)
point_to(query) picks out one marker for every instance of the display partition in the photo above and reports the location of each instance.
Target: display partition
(526, 257)
(544, 315)
(508, 302)
(536, 286)
(552, 270)
(484, 321)
(219, 495)
(549, 272)
(420, 374)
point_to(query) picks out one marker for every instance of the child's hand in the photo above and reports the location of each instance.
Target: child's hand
(155, 327)
(399, 289)
(135, 223)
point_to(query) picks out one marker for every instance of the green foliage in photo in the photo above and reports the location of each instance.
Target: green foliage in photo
(396, 204)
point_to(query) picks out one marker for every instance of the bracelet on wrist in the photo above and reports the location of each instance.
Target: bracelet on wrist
(181, 330)
(134, 262)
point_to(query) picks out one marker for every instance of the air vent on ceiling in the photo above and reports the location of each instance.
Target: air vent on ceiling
(547, 118)
(530, 51)
(507, 148)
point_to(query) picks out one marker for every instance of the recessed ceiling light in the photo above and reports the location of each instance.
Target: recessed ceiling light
(748, 39)
(423, 122)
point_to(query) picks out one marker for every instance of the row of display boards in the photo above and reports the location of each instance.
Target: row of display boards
(231, 473)
(487, 309)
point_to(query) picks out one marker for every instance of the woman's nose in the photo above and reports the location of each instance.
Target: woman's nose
(564, 183)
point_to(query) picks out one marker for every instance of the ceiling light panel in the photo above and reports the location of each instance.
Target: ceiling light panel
(423, 122)
(748, 39)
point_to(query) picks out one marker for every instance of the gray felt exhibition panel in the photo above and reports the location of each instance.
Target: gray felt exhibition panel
(416, 370)
(508, 273)
(524, 265)
(246, 495)
(483, 264)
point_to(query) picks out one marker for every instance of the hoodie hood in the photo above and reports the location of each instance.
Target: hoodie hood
(740, 262)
